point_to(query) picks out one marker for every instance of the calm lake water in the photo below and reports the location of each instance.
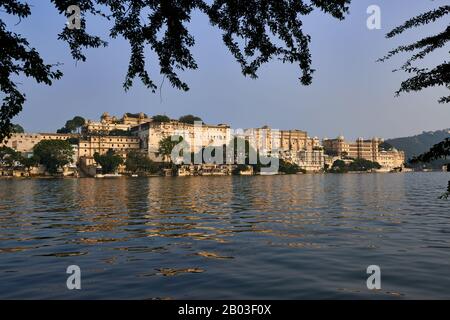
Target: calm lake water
(279, 237)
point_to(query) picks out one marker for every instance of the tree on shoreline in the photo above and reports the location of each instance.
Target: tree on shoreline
(8, 156)
(357, 165)
(166, 145)
(254, 31)
(53, 154)
(110, 161)
(138, 162)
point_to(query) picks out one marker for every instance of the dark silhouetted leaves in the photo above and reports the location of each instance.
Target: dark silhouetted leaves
(423, 77)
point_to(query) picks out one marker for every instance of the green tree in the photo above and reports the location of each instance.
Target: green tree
(17, 128)
(161, 118)
(363, 165)
(53, 154)
(73, 141)
(423, 77)
(63, 130)
(289, 168)
(166, 146)
(339, 166)
(110, 161)
(78, 122)
(73, 125)
(190, 119)
(253, 31)
(29, 162)
(138, 162)
(8, 156)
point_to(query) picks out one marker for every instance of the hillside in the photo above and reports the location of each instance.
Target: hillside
(420, 143)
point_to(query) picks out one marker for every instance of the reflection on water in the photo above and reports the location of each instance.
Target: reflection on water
(307, 236)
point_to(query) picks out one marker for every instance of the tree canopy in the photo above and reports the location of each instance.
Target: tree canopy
(438, 151)
(166, 145)
(11, 158)
(423, 77)
(254, 31)
(72, 125)
(340, 166)
(17, 128)
(8, 156)
(109, 161)
(190, 119)
(53, 154)
(137, 162)
(161, 118)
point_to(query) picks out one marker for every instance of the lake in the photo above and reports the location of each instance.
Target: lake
(261, 237)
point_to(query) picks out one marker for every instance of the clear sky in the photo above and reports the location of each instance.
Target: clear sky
(351, 93)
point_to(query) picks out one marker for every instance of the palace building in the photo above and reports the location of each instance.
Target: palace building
(108, 123)
(140, 132)
(364, 149)
(25, 142)
(196, 136)
(121, 145)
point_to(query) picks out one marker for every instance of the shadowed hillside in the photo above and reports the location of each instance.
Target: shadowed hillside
(421, 143)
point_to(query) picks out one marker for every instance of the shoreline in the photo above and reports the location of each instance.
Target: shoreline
(162, 176)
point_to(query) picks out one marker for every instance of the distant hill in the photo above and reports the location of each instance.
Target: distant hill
(420, 143)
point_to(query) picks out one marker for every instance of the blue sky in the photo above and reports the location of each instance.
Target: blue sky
(351, 94)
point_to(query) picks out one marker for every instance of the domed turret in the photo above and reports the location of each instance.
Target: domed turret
(105, 115)
(105, 118)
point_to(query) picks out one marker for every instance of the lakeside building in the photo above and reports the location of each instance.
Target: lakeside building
(121, 145)
(143, 134)
(391, 159)
(364, 149)
(293, 140)
(25, 142)
(196, 136)
(359, 149)
(264, 139)
(311, 160)
(109, 123)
